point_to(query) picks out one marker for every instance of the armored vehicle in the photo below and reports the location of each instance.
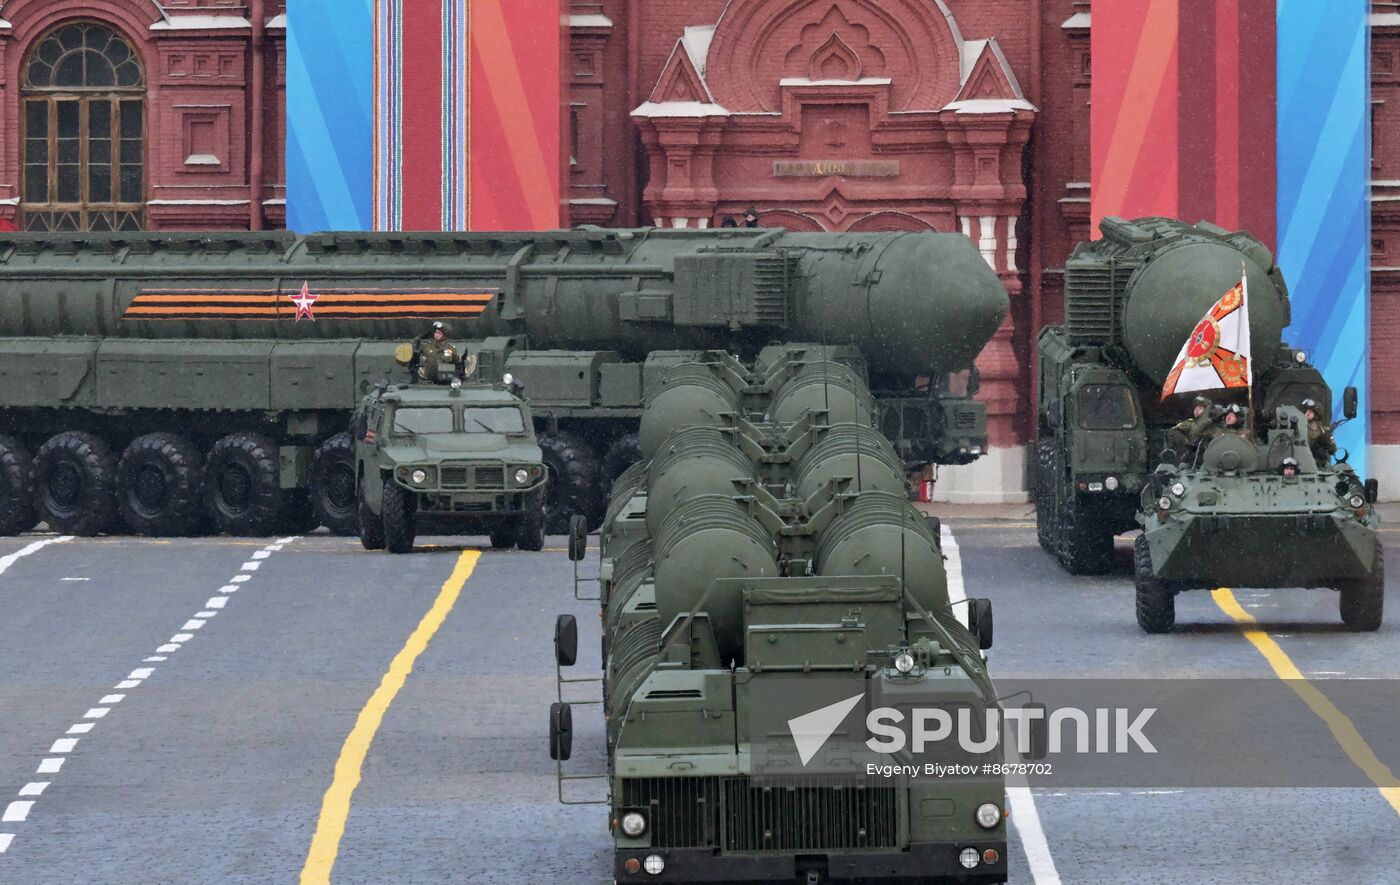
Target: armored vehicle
(1131, 300)
(458, 457)
(1249, 514)
(172, 354)
(761, 550)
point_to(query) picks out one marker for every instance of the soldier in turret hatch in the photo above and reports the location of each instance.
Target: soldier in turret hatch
(1188, 434)
(1232, 421)
(1319, 435)
(1289, 468)
(434, 357)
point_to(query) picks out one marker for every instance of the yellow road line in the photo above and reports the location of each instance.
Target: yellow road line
(1342, 728)
(335, 807)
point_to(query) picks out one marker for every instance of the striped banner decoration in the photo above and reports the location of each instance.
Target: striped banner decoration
(325, 304)
(1324, 165)
(457, 119)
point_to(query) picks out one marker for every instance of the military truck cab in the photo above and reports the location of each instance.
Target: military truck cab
(1247, 514)
(458, 458)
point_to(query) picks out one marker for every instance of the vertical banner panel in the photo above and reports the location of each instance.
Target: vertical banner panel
(330, 110)
(515, 126)
(1324, 163)
(1134, 109)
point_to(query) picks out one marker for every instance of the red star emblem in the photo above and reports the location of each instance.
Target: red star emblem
(304, 302)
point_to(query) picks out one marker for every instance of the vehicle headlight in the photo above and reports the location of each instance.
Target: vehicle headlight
(969, 858)
(904, 662)
(1111, 483)
(1178, 489)
(456, 383)
(1357, 502)
(634, 824)
(507, 379)
(654, 864)
(1164, 503)
(522, 476)
(988, 815)
(419, 476)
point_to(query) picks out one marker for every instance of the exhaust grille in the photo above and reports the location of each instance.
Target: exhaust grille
(785, 814)
(1094, 300)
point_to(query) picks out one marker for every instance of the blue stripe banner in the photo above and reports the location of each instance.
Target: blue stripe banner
(330, 115)
(1324, 163)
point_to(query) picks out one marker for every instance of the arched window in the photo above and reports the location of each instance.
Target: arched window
(84, 132)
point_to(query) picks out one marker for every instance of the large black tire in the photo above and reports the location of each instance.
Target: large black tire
(1156, 603)
(625, 451)
(1085, 545)
(503, 535)
(16, 492)
(369, 526)
(159, 486)
(1044, 494)
(332, 485)
(573, 485)
(529, 533)
(242, 485)
(75, 480)
(1362, 602)
(400, 518)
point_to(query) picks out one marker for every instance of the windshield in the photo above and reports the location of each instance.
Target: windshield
(1107, 407)
(423, 420)
(502, 419)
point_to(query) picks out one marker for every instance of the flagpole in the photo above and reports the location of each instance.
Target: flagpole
(1249, 367)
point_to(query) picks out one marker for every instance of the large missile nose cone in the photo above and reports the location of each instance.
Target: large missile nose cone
(936, 304)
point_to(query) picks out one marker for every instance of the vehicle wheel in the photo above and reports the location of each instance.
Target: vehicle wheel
(573, 485)
(1156, 604)
(16, 493)
(74, 484)
(400, 518)
(158, 486)
(503, 536)
(1044, 496)
(370, 527)
(623, 453)
(243, 485)
(332, 485)
(1362, 602)
(529, 534)
(1086, 547)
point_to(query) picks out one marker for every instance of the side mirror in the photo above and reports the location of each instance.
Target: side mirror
(1350, 401)
(974, 381)
(979, 621)
(578, 537)
(566, 640)
(1373, 491)
(561, 731)
(1052, 415)
(1040, 732)
(366, 386)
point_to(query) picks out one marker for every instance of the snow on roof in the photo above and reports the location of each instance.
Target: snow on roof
(202, 23)
(1078, 20)
(696, 41)
(590, 21)
(680, 109)
(808, 81)
(278, 21)
(990, 106)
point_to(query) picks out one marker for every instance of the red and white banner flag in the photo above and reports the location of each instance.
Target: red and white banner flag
(1217, 353)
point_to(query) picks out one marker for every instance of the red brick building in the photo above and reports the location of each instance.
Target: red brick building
(953, 115)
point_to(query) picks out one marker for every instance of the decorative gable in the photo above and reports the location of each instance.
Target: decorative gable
(680, 81)
(988, 77)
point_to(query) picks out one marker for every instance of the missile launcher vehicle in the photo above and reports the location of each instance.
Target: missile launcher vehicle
(134, 364)
(1259, 515)
(451, 455)
(763, 547)
(1131, 300)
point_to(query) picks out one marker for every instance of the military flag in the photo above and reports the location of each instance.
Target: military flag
(1217, 353)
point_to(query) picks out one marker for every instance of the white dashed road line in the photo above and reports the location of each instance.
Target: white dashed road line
(18, 810)
(1024, 816)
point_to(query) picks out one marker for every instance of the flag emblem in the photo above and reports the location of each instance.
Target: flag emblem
(1217, 353)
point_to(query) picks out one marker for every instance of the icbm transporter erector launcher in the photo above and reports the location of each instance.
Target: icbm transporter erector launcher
(762, 550)
(236, 359)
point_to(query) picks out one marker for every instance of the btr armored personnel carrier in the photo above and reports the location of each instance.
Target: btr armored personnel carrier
(1131, 300)
(764, 549)
(457, 457)
(1243, 514)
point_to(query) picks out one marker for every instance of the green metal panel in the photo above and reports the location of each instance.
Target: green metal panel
(46, 372)
(374, 362)
(560, 377)
(313, 375)
(620, 384)
(228, 375)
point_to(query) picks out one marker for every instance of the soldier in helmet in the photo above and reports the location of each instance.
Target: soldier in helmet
(1232, 420)
(1188, 434)
(1289, 468)
(434, 357)
(1319, 435)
